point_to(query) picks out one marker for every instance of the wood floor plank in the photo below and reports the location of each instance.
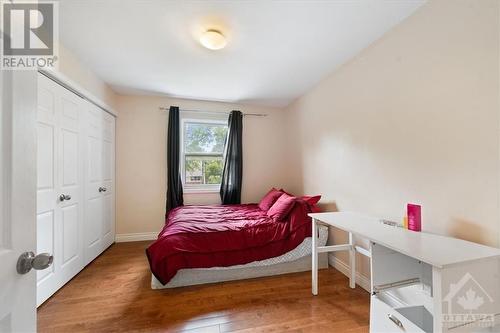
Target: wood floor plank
(113, 294)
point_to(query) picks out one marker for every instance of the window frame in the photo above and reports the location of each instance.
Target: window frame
(195, 119)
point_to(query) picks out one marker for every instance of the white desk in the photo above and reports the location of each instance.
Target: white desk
(422, 269)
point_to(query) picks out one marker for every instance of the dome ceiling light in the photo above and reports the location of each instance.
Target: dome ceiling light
(213, 39)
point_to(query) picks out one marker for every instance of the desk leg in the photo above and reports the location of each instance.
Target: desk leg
(352, 262)
(314, 258)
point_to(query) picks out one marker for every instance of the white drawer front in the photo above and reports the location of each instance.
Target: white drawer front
(380, 321)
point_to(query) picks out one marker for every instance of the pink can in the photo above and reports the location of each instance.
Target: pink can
(414, 217)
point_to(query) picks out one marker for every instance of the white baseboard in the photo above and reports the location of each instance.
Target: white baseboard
(139, 236)
(361, 280)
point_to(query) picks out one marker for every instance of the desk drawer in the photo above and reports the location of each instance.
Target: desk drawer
(384, 318)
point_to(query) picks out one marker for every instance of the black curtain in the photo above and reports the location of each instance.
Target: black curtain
(174, 182)
(230, 188)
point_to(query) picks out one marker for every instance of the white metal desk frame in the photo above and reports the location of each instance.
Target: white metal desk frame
(334, 248)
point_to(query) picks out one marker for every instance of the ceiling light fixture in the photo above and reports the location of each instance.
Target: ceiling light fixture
(213, 40)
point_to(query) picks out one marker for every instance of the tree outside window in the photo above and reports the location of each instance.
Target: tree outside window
(203, 153)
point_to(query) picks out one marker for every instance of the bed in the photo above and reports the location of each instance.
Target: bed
(205, 244)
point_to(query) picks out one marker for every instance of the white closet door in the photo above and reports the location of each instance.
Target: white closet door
(70, 181)
(46, 185)
(75, 189)
(59, 222)
(94, 203)
(108, 177)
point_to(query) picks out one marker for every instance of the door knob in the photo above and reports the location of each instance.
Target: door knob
(28, 260)
(63, 197)
(102, 189)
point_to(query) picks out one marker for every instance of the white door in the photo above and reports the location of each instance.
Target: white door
(17, 198)
(108, 176)
(59, 185)
(99, 226)
(93, 188)
(70, 182)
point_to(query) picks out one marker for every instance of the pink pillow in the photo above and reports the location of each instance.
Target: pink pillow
(281, 207)
(269, 199)
(283, 190)
(315, 209)
(311, 199)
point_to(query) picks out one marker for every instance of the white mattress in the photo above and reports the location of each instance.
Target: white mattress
(191, 276)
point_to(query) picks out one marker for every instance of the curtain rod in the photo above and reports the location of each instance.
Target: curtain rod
(162, 108)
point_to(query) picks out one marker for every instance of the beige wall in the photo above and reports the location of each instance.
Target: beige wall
(413, 118)
(73, 67)
(141, 158)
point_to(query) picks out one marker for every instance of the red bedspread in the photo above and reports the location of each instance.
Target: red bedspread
(220, 236)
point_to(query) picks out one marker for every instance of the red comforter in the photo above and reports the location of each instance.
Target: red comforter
(220, 236)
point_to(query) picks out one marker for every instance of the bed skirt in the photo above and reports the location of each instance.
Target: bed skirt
(297, 260)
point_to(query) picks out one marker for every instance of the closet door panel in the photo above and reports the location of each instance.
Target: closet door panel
(70, 179)
(108, 227)
(70, 234)
(46, 152)
(59, 220)
(108, 144)
(108, 126)
(94, 222)
(46, 104)
(107, 158)
(71, 184)
(94, 173)
(69, 158)
(45, 225)
(95, 161)
(47, 204)
(46, 148)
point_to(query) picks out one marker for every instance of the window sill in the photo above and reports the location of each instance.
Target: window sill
(201, 190)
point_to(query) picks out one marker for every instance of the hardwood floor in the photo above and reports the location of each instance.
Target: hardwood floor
(113, 294)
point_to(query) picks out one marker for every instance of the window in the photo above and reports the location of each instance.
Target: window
(202, 148)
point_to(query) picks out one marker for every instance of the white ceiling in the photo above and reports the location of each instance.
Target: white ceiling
(277, 50)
